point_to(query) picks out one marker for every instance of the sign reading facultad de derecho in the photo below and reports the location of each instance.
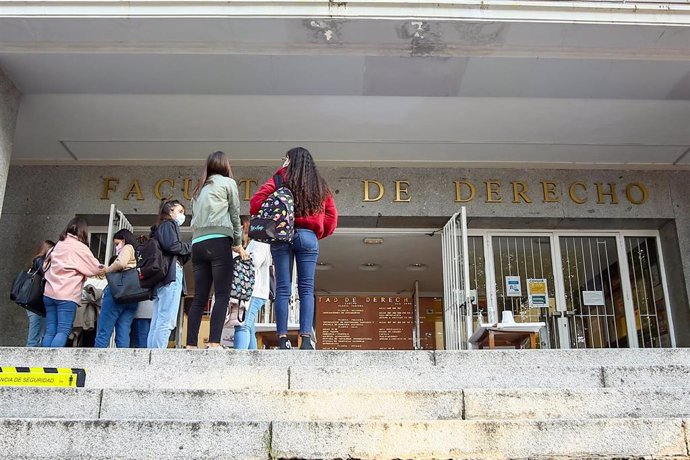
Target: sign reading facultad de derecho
(364, 322)
(405, 191)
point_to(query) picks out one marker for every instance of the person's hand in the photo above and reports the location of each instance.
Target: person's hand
(240, 250)
(101, 272)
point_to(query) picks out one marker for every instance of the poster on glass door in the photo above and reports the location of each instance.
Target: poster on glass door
(537, 292)
(513, 287)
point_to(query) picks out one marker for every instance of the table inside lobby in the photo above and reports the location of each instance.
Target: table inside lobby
(507, 335)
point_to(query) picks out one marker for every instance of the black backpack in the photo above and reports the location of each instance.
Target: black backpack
(152, 264)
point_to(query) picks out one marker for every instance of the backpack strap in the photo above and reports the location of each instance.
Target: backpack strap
(278, 179)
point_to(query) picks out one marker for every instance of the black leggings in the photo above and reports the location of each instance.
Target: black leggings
(212, 263)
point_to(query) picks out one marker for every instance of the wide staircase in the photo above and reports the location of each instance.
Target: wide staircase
(300, 404)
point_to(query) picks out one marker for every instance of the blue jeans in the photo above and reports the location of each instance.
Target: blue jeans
(140, 332)
(304, 248)
(165, 308)
(245, 335)
(37, 327)
(59, 321)
(116, 316)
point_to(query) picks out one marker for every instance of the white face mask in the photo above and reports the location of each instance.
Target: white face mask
(180, 218)
(119, 247)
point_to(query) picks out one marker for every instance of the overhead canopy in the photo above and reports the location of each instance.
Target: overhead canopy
(496, 89)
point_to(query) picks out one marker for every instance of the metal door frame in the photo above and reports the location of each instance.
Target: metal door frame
(554, 237)
(456, 280)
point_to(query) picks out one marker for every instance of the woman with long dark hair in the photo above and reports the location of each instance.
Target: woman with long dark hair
(216, 232)
(117, 316)
(316, 217)
(166, 303)
(68, 265)
(37, 323)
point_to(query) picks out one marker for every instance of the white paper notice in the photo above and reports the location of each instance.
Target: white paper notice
(593, 298)
(513, 287)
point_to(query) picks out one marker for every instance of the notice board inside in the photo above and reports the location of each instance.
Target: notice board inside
(364, 322)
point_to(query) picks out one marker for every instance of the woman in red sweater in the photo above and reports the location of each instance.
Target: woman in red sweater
(315, 218)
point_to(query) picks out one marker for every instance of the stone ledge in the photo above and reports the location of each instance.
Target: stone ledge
(648, 376)
(82, 439)
(481, 404)
(442, 377)
(605, 438)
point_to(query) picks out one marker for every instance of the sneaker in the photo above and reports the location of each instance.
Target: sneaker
(284, 343)
(306, 343)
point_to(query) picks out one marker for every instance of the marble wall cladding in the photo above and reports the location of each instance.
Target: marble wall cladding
(40, 200)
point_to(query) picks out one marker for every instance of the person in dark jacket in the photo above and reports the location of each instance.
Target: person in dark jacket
(166, 303)
(316, 217)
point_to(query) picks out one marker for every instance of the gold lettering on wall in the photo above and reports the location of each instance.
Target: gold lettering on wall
(465, 191)
(611, 193)
(643, 195)
(458, 191)
(187, 188)
(519, 192)
(135, 189)
(157, 188)
(551, 194)
(109, 185)
(493, 189)
(247, 188)
(402, 187)
(367, 184)
(573, 194)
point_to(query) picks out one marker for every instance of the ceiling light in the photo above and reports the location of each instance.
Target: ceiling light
(416, 267)
(369, 267)
(373, 240)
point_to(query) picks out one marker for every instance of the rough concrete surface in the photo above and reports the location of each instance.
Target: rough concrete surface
(514, 403)
(443, 377)
(478, 439)
(281, 405)
(648, 376)
(65, 403)
(82, 439)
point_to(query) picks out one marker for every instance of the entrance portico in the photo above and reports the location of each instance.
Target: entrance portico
(525, 115)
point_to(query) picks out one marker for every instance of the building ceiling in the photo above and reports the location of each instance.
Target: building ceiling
(392, 266)
(437, 92)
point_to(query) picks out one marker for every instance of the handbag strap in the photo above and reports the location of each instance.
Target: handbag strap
(48, 260)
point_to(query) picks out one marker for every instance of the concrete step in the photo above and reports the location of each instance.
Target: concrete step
(90, 358)
(544, 404)
(133, 439)
(231, 370)
(330, 405)
(247, 405)
(603, 438)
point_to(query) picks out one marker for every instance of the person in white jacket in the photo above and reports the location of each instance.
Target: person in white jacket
(245, 334)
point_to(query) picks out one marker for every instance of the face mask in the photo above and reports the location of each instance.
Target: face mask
(119, 247)
(180, 218)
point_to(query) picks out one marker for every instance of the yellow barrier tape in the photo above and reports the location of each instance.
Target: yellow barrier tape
(41, 377)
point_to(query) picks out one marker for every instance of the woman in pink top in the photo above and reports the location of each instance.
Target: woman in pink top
(66, 268)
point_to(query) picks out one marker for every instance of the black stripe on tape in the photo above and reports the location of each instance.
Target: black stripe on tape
(50, 370)
(81, 376)
(23, 369)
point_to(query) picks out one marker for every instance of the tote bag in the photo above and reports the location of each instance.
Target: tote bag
(125, 288)
(242, 279)
(27, 291)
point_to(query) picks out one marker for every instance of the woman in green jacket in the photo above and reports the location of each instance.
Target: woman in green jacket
(216, 232)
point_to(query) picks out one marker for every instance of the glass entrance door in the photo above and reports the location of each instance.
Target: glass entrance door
(593, 292)
(519, 262)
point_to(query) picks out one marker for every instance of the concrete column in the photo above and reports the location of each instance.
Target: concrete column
(9, 107)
